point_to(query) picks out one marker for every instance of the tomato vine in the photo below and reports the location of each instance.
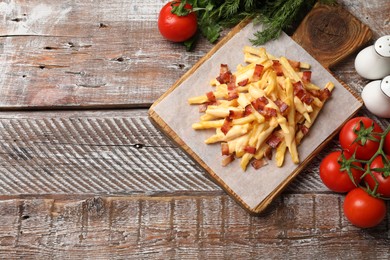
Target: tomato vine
(348, 164)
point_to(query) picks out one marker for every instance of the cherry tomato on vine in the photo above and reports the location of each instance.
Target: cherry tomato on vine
(177, 28)
(336, 178)
(359, 136)
(362, 209)
(383, 178)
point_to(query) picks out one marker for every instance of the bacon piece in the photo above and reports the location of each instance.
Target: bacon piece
(225, 149)
(260, 103)
(282, 105)
(232, 95)
(268, 112)
(315, 92)
(295, 64)
(227, 159)
(234, 114)
(325, 94)
(223, 69)
(258, 163)
(248, 110)
(233, 79)
(257, 73)
(322, 94)
(274, 140)
(211, 97)
(250, 149)
(268, 153)
(227, 125)
(225, 76)
(277, 67)
(307, 98)
(304, 129)
(232, 91)
(306, 76)
(298, 89)
(301, 93)
(231, 86)
(243, 82)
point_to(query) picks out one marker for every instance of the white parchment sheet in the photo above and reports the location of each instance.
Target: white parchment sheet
(252, 186)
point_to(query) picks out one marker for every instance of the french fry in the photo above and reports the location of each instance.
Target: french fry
(255, 51)
(236, 131)
(280, 152)
(288, 70)
(208, 124)
(198, 100)
(290, 137)
(220, 111)
(301, 108)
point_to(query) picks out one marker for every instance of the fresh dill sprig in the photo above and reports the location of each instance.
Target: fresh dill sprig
(275, 15)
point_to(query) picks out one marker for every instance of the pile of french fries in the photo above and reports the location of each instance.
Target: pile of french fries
(262, 109)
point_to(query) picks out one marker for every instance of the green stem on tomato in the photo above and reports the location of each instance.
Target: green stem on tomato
(367, 170)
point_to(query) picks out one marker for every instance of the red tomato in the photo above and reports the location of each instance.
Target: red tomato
(386, 145)
(362, 209)
(176, 28)
(363, 141)
(335, 179)
(383, 181)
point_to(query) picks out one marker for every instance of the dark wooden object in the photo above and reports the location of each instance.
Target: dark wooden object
(173, 219)
(330, 34)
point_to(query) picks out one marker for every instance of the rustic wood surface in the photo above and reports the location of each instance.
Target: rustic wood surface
(106, 184)
(62, 54)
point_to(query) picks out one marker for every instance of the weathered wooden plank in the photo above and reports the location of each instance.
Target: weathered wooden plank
(101, 152)
(297, 226)
(62, 54)
(119, 154)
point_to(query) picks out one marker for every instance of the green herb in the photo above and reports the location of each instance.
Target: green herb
(276, 16)
(180, 9)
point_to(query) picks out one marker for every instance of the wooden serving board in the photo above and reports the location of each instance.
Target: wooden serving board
(321, 35)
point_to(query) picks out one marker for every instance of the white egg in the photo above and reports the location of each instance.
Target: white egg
(370, 65)
(376, 97)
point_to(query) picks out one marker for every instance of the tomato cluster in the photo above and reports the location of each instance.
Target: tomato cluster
(361, 169)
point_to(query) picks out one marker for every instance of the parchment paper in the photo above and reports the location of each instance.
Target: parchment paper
(252, 186)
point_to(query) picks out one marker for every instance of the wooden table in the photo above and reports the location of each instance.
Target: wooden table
(85, 174)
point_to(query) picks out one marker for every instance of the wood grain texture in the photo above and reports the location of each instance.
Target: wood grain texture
(62, 54)
(330, 34)
(298, 226)
(95, 153)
